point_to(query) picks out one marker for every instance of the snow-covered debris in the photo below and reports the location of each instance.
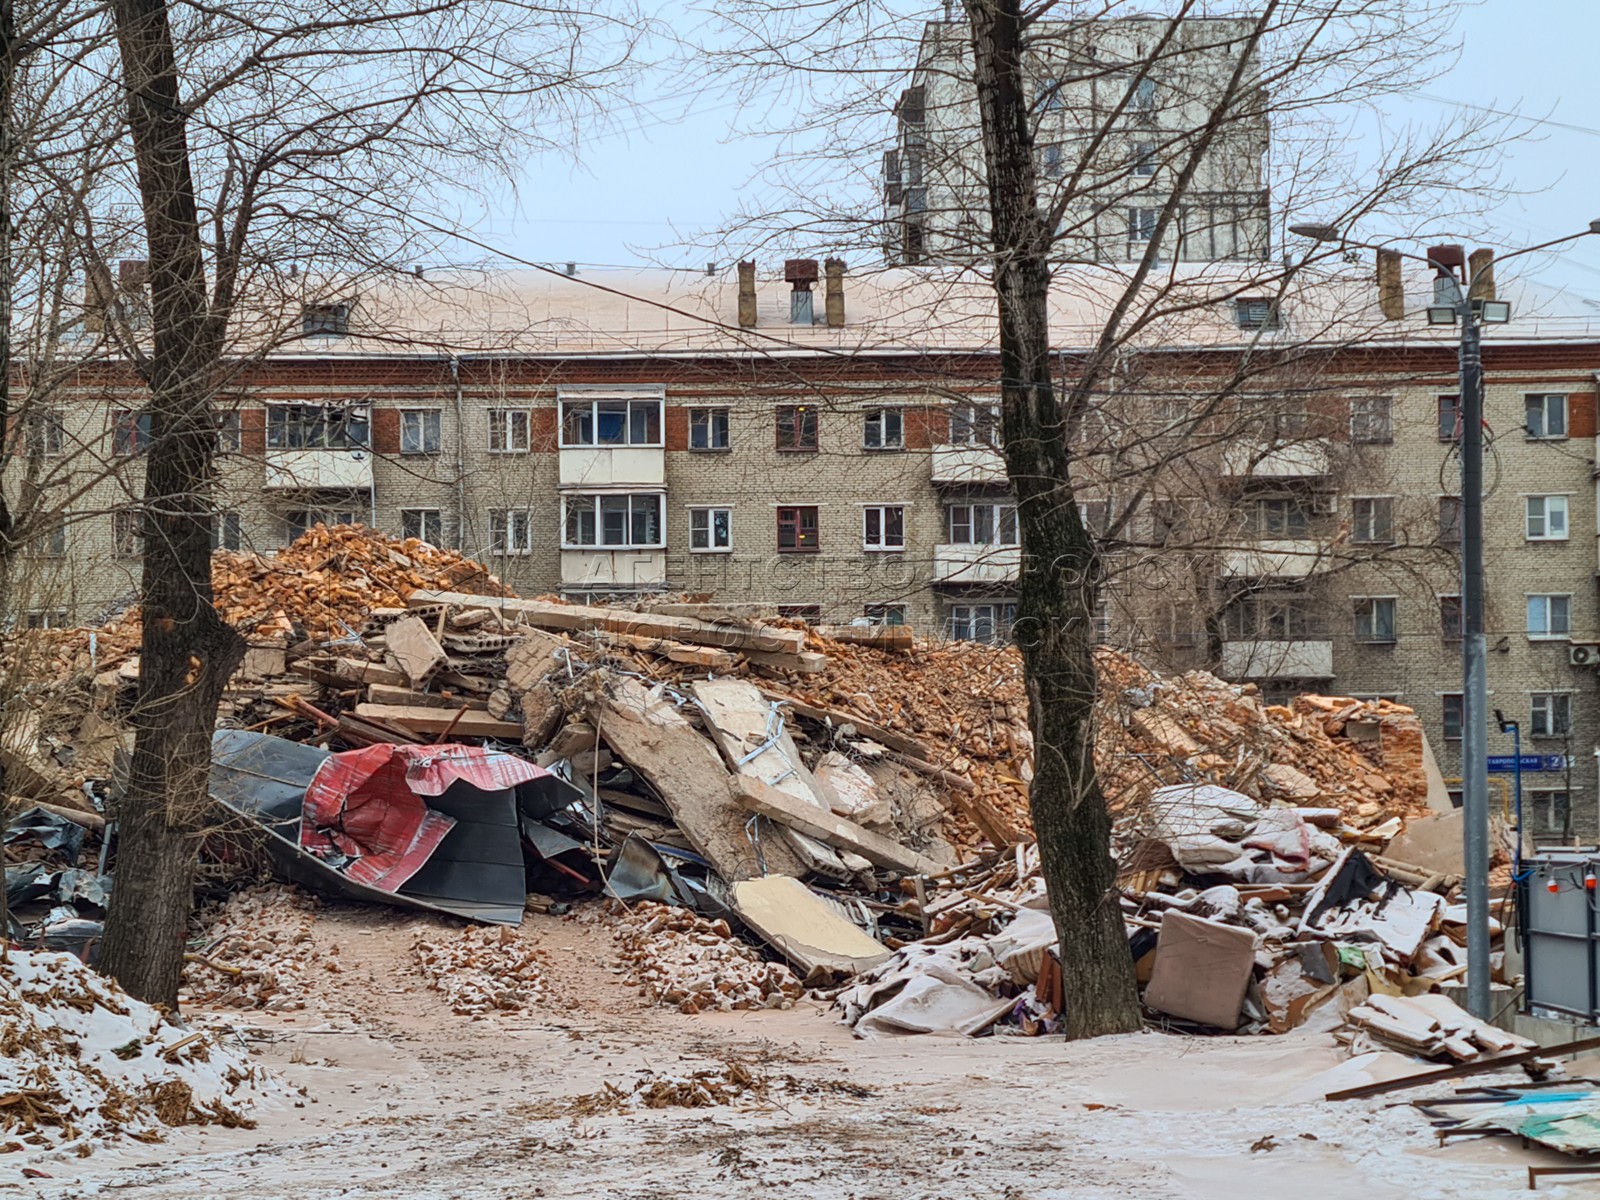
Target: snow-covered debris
(258, 951)
(480, 970)
(80, 1060)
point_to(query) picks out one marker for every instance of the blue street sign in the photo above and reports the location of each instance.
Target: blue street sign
(1506, 764)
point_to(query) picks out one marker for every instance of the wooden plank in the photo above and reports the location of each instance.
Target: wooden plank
(1481, 1066)
(547, 614)
(438, 720)
(901, 742)
(382, 693)
(878, 850)
(653, 738)
(414, 648)
(884, 637)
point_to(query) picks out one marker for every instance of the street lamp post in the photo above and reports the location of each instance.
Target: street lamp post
(1456, 306)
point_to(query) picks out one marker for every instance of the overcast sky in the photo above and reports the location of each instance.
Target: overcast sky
(638, 194)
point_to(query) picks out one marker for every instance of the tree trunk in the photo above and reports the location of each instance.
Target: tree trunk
(8, 66)
(187, 653)
(1058, 583)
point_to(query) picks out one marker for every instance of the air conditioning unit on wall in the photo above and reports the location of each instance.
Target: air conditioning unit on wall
(1583, 656)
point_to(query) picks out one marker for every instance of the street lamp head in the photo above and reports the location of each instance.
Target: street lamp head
(1320, 233)
(1494, 312)
(1441, 314)
(1594, 226)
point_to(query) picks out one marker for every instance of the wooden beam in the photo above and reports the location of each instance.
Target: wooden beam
(438, 720)
(546, 614)
(759, 797)
(382, 693)
(901, 742)
(1477, 1067)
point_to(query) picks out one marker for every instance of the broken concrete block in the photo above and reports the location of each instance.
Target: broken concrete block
(1201, 971)
(416, 651)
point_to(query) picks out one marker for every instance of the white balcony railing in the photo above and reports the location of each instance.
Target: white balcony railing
(613, 466)
(960, 563)
(332, 470)
(967, 464)
(624, 570)
(1280, 559)
(1277, 660)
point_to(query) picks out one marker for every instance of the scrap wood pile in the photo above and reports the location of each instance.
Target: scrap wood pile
(81, 1062)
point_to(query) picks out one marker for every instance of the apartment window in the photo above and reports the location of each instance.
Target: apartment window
(630, 521)
(301, 520)
(982, 524)
(1269, 618)
(886, 614)
(1450, 618)
(419, 431)
(127, 533)
(1449, 518)
(980, 622)
(883, 429)
(316, 427)
(131, 431)
(1143, 100)
(802, 310)
(611, 422)
(325, 320)
(1548, 810)
(227, 531)
(1547, 518)
(511, 531)
(1141, 224)
(1372, 519)
(1545, 415)
(711, 529)
(47, 618)
(1450, 418)
(708, 429)
(424, 524)
(1454, 715)
(46, 433)
(230, 439)
(1048, 96)
(884, 527)
(1550, 714)
(1372, 420)
(1549, 616)
(797, 427)
(797, 529)
(811, 613)
(974, 425)
(1052, 162)
(1096, 516)
(1143, 156)
(508, 431)
(1255, 313)
(1375, 619)
(1280, 516)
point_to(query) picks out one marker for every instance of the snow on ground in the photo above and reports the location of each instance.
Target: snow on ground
(407, 1101)
(81, 1062)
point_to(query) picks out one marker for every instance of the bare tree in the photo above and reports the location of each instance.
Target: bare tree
(1080, 147)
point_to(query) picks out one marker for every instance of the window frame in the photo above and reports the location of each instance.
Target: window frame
(709, 414)
(230, 432)
(337, 427)
(1374, 634)
(1295, 520)
(1549, 706)
(1378, 528)
(1549, 634)
(127, 533)
(885, 615)
(1449, 402)
(793, 516)
(437, 515)
(45, 433)
(801, 419)
(1368, 412)
(569, 418)
(507, 522)
(317, 516)
(132, 430)
(226, 522)
(888, 542)
(437, 428)
(1449, 531)
(1245, 313)
(1452, 711)
(1001, 618)
(41, 619)
(891, 430)
(999, 517)
(1564, 508)
(1141, 230)
(1553, 805)
(707, 514)
(1528, 399)
(972, 418)
(1447, 602)
(329, 319)
(571, 510)
(502, 424)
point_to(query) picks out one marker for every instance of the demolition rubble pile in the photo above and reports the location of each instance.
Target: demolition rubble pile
(853, 798)
(81, 1061)
(256, 951)
(480, 970)
(696, 964)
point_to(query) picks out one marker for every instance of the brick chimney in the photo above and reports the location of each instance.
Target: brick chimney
(833, 295)
(1391, 286)
(1480, 270)
(747, 294)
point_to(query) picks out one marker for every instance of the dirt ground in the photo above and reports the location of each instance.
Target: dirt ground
(404, 1099)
